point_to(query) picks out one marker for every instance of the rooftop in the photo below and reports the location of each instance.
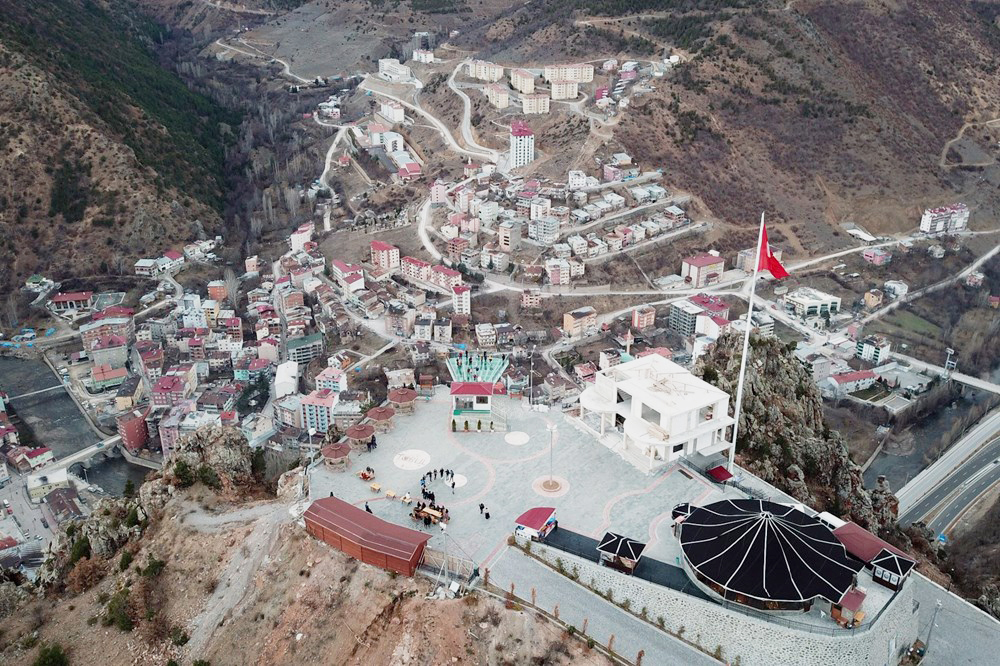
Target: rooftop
(477, 367)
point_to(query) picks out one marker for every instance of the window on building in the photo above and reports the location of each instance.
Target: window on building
(650, 415)
(678, 447)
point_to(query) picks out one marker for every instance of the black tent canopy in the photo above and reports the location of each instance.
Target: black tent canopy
(684, 509)
(766, 554)
(621, 546)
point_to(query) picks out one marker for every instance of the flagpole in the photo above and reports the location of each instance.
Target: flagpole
(746, 345)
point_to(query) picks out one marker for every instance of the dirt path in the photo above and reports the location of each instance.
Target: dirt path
(235, 586)
(943, 159)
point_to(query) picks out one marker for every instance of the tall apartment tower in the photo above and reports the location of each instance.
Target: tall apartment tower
(522, 144)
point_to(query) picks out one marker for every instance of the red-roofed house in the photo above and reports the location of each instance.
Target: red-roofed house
(104, 377)
(169, 390)
(173, 260)
(384, 255)
(75, 300)
(472, 404)
(26, 459)
(840, 385)
(702, 270)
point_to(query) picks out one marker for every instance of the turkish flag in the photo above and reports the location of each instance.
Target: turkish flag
(767, 261)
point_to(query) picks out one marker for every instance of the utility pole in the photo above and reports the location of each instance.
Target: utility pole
(551, 485)
(949, 365)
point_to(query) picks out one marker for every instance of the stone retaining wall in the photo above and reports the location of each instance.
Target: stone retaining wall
(754, 641)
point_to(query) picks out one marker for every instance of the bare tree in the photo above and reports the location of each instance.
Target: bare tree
(12, 318)
(232, 286)
(292, 201)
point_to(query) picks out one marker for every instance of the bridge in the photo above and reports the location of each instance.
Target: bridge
(968, 380)
(28, 395)
(108, 446)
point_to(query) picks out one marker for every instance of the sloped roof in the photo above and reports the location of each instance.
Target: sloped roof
(535, 518)
(767, 551)
(365, 529)
(864, 545)
(621, 546)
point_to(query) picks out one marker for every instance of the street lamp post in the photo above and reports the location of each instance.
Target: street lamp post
(551, 484)
(531, 377)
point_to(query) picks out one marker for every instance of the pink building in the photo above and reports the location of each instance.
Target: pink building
(643, 317)
(384, 255)
(332, 378)
(415, 269)
(877, 256)
(444, 277)
(317, 409)
(702, 270)
(439, 193)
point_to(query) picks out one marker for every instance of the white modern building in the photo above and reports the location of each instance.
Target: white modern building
(579, 72)
(522, 144)
(874, 348)
(565, 89)
(461, 298)
(485, 71)
(947, 219)
(809, 302)
(522, 81)
(391, 70)
(663, 411)
(535, 104)
(498, 95)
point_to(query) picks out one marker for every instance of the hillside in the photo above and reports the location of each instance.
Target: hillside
(819, 112)
(783, 437)
(206, 564)
(106, 155)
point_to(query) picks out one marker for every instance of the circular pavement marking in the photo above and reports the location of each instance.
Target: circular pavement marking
(411, 459)
(538, 485)
(460, 480)
(516, 438)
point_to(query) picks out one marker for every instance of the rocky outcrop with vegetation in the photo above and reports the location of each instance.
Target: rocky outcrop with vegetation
(782, 437)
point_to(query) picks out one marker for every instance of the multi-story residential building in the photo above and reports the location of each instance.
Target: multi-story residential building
(169, 390)
(332, 378)
(535, 104)
(839, 385)
(558, 271)
(522, 81)
(391, 70)
(123, 327)
(384, 255)
(809, 302)
(488, 213)
(545, 230)
(508, 236)
(539, 207)
(484, 71)
(682, 316)
(317, 410)
(874, 298)
(643, 317)
(399, 320)
(947, 219)
(304, 349)
(895, 288)
(423, 329)
(531, 298)
(133, 429)
(456, 246)
(425, 56)
(874, 348)
(461, 299)
(486, 336)
(391, 110)
(288, 411)
(498, 95)
(702, 270)
(565, 89)
(439, 193)
(579, 72)
(667, 412)
(297, 239)
(578, 322)
(576, 180)
(444, 277)
(415, 269)
(442, 330)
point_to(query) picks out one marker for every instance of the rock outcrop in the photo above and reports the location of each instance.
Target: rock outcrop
(782, 436)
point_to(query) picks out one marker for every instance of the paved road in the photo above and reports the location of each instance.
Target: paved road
(466, 127)
(975, 382)
(949, 471)
(957, 490)
(576, 603)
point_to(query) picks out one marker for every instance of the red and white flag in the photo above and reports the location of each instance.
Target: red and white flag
(767, 261)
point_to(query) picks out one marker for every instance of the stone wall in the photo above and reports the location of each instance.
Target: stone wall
(754, 641)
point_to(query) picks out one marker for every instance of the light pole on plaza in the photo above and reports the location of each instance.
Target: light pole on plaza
(551, 485)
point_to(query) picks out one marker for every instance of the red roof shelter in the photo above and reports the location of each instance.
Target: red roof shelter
(365, 536)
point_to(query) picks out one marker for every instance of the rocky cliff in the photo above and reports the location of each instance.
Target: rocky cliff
(782, 436)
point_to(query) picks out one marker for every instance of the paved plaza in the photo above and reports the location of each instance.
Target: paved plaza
(599, 491)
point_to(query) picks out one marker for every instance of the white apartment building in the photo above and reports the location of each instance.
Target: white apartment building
(539, 207)
(534, 104)
(498, 95)
(522, 144)
(565, 89)
(391, 110)
(522, 81)
(874, 348)
(485, 71)
(558, 271)
(576, 180)
(509, 236)
(423, 55)
(461, 299)
(580, 72)
(391, 70)
(947, 219)
(545, 230)
(809, 302)
(488, 213)
(667, 412)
